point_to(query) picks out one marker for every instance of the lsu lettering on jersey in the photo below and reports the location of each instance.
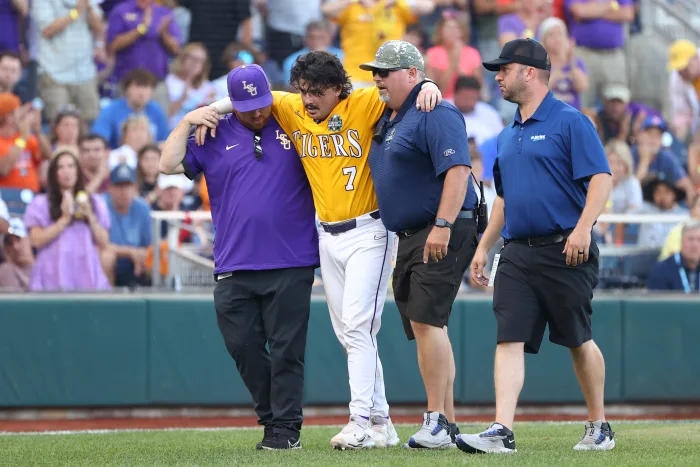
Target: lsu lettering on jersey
(335, 152)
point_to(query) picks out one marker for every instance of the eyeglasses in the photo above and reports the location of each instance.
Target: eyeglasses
(257, 145)
(383, 73)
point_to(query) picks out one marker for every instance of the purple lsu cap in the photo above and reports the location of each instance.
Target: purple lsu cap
(248, 88)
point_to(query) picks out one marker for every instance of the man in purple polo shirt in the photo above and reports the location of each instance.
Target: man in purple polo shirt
(598, 27)
(266, 245)
(143, 35)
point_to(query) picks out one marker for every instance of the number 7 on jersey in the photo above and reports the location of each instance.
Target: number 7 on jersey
(351, 171)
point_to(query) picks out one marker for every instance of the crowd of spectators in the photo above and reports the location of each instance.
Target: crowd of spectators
(89, 89)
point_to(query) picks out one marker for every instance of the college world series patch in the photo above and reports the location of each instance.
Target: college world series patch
(335, 123)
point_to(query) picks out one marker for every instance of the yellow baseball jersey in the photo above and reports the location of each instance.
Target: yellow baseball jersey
(335, 152)
(363, 30)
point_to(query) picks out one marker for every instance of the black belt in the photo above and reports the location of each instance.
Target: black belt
(467, 214)
(340, 227)
(541, 241)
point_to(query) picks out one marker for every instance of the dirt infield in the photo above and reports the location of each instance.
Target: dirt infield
(69, 421)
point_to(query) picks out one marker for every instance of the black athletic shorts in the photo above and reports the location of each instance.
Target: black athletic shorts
(534, 287)
(424, 293)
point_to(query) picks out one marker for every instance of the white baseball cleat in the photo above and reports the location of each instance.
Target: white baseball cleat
(433, 434)
(357, 434)
(384, 432)
(597, 437)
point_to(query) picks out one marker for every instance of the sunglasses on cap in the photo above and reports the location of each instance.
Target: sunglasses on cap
(384, 72)
(257, 145)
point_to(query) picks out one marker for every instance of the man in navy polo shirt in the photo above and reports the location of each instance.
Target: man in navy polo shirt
(420, 166)
(265, 248)
(553, 181)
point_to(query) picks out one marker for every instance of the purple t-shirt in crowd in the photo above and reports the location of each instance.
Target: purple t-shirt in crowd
(71, 261)
(148, 51)
(262, 210)
(563, 88)
(598, 33)
(9, 25)
(512, 23)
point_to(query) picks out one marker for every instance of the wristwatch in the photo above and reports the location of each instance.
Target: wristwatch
(440, 222)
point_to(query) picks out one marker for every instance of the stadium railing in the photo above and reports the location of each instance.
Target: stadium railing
(190, 266)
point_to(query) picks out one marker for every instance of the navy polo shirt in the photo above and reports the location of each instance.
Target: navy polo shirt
(543, 169)
(409, 165)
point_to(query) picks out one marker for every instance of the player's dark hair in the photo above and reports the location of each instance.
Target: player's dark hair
(323, 70)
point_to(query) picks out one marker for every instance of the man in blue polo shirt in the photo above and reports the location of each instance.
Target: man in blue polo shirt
(421, 170)
(553, 181)
(265, 249)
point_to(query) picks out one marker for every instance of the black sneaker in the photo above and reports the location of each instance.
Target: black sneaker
(266, 436)
(281, 441)
(496, 439)
(454, 431)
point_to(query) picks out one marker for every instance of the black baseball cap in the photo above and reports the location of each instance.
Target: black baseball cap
(523, 51)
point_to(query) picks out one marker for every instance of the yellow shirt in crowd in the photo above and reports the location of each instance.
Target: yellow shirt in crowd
(363, 30)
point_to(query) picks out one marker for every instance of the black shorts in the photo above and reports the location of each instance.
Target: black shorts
(534, 287)
(424, 293)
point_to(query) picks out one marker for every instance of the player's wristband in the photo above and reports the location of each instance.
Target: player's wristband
(142, 29)
(74, 14)
(21, 143)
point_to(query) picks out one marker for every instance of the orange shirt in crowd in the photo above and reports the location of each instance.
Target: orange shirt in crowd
(25, 173)
(204, 194)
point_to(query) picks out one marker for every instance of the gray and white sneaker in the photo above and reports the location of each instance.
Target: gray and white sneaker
(597, 437)
(496, 440)
(433, 434)
(384, 432)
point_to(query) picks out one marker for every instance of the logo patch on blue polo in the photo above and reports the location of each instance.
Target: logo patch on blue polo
(537, 138)
(448, 152)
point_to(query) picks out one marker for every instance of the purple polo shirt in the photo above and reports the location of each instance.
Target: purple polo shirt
(9, 25)
(563, 88)
(513, 23)
(598, 34)
(148, 51)
(263, 211)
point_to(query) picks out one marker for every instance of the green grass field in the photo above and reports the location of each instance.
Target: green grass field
(638, 444)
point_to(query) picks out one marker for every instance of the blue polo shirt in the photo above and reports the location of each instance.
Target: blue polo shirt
(409, 165)
(543, 168)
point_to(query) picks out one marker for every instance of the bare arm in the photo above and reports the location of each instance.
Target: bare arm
(686, 185)
(123, 41)
(57, 26)
(39, 237)
(579, 79)
(8, 161)
(423, 7)
(99, 233)
(599, 189)
(454, 190)
(496, 223)
(593, 10)
(21, 7)
(624, 14)
(175, 147)
(95, 23)
(694, 162)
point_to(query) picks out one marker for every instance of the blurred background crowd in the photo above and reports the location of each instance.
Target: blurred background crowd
(89, 90)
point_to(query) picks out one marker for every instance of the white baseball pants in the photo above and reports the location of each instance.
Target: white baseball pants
(356, 267)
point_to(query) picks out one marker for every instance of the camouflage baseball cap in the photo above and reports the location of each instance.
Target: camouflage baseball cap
(396, 54)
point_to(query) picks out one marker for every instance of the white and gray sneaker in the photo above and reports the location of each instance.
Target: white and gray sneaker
(384, 432)
(496, 440)
(357, 434)
(597, 437)
(433, 434)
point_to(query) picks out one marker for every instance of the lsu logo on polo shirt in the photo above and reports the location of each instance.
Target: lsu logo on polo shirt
(334, 152)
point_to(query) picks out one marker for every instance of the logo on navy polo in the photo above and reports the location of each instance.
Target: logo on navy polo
(537, 138)
(284, 140)
(250, 88)
(448, 152)
(335, 123)
(391, 134)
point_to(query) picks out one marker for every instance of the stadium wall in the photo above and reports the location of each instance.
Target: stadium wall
(79, 351)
